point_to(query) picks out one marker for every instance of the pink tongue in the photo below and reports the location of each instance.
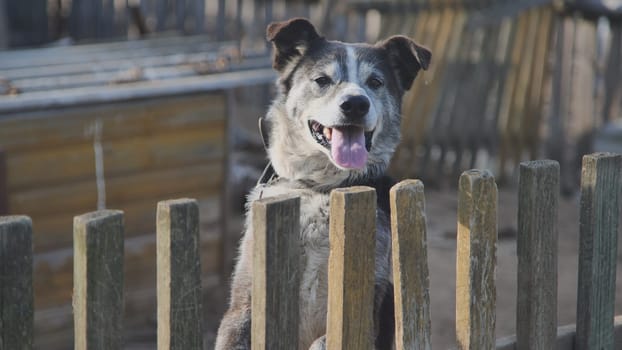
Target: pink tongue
(348, 147)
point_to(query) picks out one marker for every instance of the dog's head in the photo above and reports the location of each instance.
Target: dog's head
(338, 109)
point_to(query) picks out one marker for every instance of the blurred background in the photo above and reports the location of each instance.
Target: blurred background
(122, 103)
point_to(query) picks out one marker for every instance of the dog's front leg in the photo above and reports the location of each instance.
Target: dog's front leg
(319, 344)
(234, 332)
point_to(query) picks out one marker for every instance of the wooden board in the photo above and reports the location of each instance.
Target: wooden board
(75, 197)
(57, 165)
(351, 268)
(179, 275)
(44, 129)
(276, 275)
(98, 277)
(16, 295)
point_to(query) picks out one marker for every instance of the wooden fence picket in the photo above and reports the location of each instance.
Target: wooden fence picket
(410, 266)
(536, 307)
(98, 240)
(476, 261)
(351, 268)
(180, 314)
(276, 253)
(598, 225)
(16, 298)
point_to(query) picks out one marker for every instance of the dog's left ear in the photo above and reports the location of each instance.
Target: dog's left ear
(407, 58)
(290, 40)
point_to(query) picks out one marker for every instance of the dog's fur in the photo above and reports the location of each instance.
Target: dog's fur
(328, 92)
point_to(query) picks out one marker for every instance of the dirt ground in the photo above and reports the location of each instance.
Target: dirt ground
(441, 209)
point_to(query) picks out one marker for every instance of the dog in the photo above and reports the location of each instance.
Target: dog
(335, 122)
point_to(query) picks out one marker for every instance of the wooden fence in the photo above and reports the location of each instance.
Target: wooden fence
(99, 264)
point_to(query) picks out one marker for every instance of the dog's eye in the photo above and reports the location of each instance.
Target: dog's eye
(323, 81)
(374, 82)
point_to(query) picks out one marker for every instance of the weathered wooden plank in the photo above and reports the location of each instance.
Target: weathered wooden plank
(180, 15)
(83, 19)
(124, 188)
(28, 22)
(410, 266)
(98, 280)
(108, 70)
(16, 296)
(162, 10)
(4, 26)
(276, 280)
(199, 17)
(516, 122)
(508, 92)
(351, 268)
(598, 224)
(106, 20)
(61, 128)
(135, 91)
(536, 307)
(420, 101)
(534, 113)
(63, 55)
(180, 310)
(476, 260)
(613, 75)
(4, 183)
(220, 22)
(53, 166)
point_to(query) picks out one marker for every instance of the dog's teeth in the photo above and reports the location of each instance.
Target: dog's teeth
(328, 133)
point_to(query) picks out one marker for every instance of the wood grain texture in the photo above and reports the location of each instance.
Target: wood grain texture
(351, 268)
(82, 195)
(476, 261)
(180, 310)
(98, 280)
(536, 307)
(61, 128)
(410, 266)
(598, 225)
(4, 186)
(276, 276)
(16, 296)
(163, 149)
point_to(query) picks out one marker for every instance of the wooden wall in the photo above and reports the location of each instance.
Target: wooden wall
(150, 150)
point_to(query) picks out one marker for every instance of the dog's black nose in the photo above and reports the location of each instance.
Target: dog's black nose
(355, 106)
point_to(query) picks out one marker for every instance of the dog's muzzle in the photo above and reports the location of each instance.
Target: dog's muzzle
(348, 144)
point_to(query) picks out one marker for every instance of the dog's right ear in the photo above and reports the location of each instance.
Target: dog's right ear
(407, 58)
(290, 40)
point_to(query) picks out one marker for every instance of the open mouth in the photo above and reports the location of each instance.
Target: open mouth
(348, 144)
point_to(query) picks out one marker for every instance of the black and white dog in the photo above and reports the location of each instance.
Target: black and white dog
(334, 123)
